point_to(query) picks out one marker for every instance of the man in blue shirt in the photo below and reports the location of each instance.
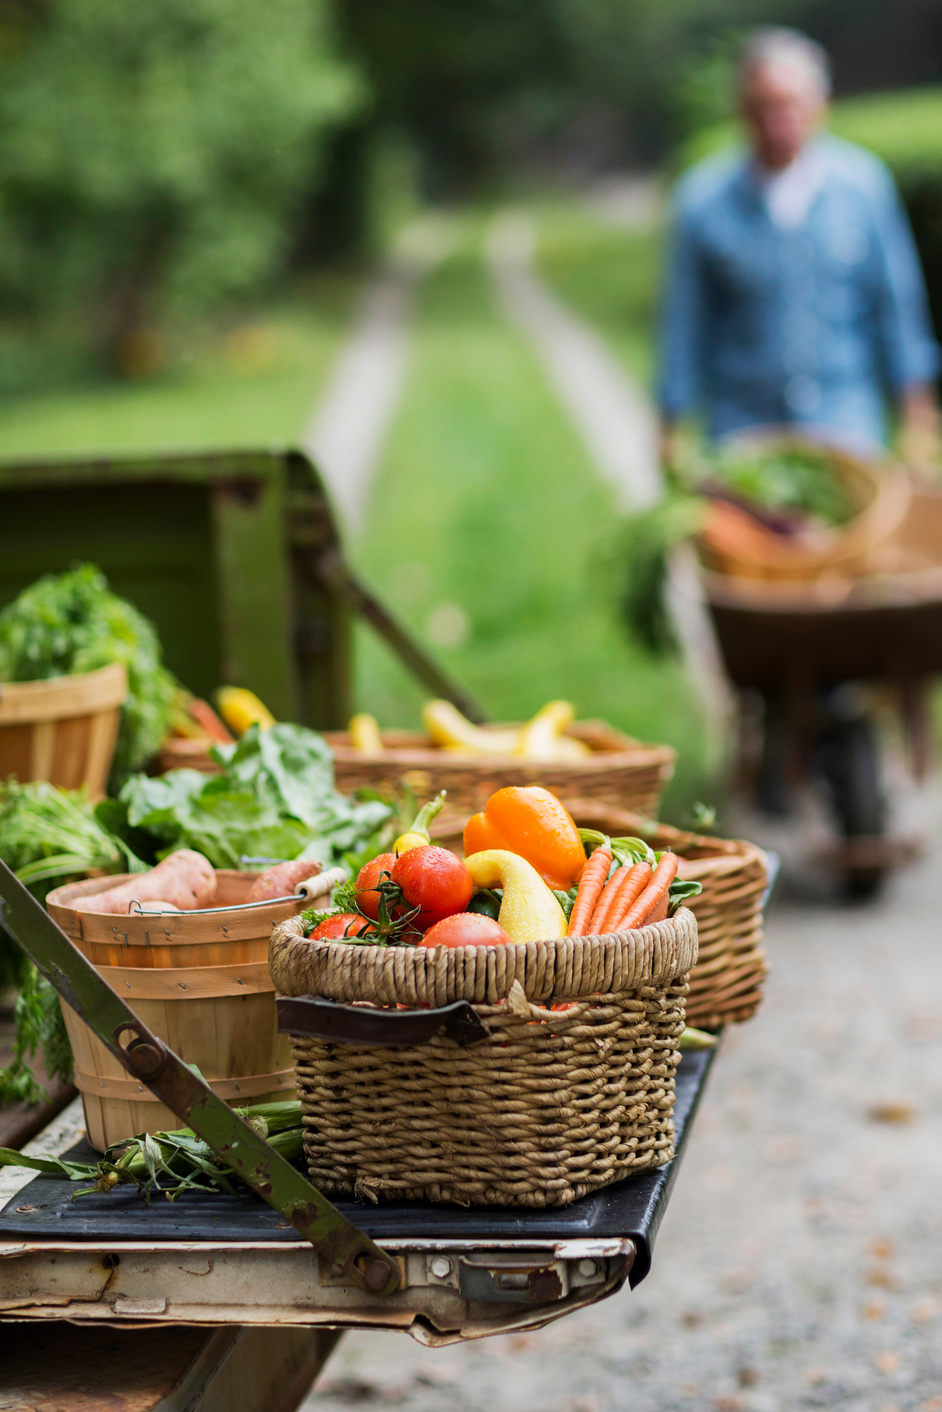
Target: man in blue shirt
(794, 294)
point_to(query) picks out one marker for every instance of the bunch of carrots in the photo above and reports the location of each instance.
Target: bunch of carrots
(619, 890)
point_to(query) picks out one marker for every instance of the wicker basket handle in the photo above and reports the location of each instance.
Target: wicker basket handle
(377, 1029)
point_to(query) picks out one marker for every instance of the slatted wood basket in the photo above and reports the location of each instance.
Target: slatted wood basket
(620, 771)
(727, 981)
(200, 981)
(227, 934)
(63, 729)
(552, 1104)
(221, 1018)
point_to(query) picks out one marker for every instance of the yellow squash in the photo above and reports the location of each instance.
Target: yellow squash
(448, 728)
(363, 731)
(241, 708)
(529, 911)
(542, 737)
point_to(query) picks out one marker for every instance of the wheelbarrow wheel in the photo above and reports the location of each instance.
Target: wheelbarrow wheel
(849, 762)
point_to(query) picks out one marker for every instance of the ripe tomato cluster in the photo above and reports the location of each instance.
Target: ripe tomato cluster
(423, 891)
(436, 887)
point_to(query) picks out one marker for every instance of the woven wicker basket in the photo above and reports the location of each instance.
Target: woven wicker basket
(726, 983)
(620, 771)
(554, 1104)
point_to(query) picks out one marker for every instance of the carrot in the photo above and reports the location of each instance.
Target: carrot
(634, 879)
(590, 886)
(204, 715)
(605, 897)
(640, 911)
(660, 912)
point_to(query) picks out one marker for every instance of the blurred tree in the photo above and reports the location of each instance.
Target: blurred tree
(152, 155)
(477, 81)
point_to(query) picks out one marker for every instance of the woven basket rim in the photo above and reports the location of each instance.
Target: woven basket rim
(569, 967)
(413, 748)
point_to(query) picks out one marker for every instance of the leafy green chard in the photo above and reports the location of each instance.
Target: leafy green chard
(274, 798)
(566, 900)
(72, 622)
(795, 479)
(682, 890)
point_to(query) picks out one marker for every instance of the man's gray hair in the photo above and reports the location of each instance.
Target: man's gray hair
(777, 45)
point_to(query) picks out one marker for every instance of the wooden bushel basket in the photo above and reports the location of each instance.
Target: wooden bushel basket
(220, 1018)
(63, 729)
(222, 935)
(619, 771)
(200, 981)
(547, 1105)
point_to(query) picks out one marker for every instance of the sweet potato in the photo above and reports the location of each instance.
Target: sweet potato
(184, 878)
(281, 880)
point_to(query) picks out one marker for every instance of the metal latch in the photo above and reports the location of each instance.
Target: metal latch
(516, 1277)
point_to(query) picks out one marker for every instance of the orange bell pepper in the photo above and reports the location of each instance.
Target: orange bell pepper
(528, 820)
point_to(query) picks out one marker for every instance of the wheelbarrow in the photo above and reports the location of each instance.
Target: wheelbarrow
(802, 645)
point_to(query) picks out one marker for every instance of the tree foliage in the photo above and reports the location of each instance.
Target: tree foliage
(152, 155)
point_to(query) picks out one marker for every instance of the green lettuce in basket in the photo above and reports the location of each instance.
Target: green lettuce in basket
(70, 623)
(275, 798)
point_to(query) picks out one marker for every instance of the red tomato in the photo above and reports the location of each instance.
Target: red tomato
(339, 926)
(466, 929)
(435, 881)
(367, 879)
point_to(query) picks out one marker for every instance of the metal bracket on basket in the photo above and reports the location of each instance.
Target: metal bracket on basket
(149, 1059)
(318, 1018)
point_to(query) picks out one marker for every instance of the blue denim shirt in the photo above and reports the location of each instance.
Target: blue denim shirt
(814, 325)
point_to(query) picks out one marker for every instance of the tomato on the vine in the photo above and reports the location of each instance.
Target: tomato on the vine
(466, 929)
(339, 926)
(368, 879)
(433, 880)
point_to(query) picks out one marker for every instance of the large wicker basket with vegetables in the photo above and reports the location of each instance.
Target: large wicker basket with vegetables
(560, 982)
(570, 1088)
(585, 759)
(783, 510)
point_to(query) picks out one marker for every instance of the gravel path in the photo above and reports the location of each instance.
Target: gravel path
(799, 1262)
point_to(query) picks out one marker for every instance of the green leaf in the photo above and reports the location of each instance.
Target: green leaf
(680, 890)
(274, 798)
(49, 1166)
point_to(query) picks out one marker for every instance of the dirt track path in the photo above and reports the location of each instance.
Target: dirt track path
(800, 1262)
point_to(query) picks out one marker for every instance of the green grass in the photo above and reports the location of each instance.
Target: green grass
(251, 383)
(487, 501)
